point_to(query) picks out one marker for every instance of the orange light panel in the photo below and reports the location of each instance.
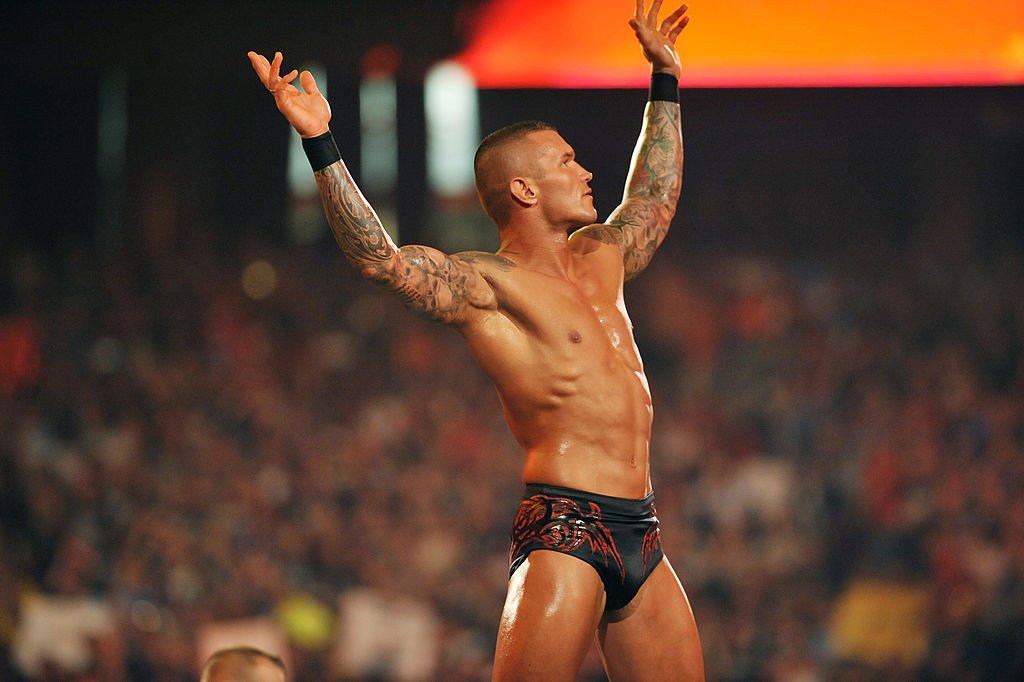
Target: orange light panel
(753, 43)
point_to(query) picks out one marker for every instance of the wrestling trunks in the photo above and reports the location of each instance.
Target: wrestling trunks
(619, 537)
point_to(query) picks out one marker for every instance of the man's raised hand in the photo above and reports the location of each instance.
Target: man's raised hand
(308, 112)
(659, 40)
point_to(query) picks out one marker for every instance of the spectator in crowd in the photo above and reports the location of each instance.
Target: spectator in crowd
(243, 664)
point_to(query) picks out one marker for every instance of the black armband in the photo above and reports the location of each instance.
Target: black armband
(321, 150)
(664, 87)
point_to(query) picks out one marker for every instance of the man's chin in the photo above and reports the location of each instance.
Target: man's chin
(584, 219)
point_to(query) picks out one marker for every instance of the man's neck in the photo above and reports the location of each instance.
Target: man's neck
(546, 252)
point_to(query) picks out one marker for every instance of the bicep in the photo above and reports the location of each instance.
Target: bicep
(652, 186)
(642, 223)
(433, 284)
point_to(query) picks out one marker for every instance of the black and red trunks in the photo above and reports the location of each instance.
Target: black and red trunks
(619, 537)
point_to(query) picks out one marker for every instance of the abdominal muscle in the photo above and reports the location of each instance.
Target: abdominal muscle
(583, 422)
(561, 354)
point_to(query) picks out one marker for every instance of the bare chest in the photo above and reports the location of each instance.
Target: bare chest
(584, 314)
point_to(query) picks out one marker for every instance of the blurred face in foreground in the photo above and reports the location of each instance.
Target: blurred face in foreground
(234, 667)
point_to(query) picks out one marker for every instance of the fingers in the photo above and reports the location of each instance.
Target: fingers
(651, 18)
(257, 59)
(308, 83)
(274, 81)
(260, 65)
(652, 15)
(275, 67)
(674, 33)
(671, 19)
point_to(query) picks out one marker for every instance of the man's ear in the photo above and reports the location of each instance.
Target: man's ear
(522, 191)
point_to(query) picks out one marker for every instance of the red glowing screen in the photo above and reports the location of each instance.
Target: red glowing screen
(753, 43)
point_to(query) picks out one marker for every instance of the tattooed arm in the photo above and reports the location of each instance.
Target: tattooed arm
(641, 221)
(432, 284)
(652, 187)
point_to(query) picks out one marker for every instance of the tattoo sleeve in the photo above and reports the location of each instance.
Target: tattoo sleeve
(652, 186)
(429, 282)
(353, 221)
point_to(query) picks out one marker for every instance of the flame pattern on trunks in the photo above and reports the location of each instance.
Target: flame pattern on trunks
(564, 525)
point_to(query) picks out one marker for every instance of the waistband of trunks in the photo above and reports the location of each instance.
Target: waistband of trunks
(610, 506)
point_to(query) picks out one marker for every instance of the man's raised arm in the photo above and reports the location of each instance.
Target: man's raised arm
(431, 283)
(656, 170)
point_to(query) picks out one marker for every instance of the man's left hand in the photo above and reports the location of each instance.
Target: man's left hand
(659, 40)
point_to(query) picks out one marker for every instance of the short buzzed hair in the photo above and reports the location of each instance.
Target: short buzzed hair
(248, 655)
(490, 181)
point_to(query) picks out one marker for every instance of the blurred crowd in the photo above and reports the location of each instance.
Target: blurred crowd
(193, 433)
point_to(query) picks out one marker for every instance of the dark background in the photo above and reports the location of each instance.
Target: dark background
(827, 167)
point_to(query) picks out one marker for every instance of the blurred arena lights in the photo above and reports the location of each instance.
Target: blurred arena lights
(753, 43)
(259, 280)
(453, 128)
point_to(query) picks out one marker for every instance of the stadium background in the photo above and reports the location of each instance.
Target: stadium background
(208, 428)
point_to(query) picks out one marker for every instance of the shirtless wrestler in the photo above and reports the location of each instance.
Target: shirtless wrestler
(545, 319)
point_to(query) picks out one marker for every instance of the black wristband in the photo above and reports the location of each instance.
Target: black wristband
(664, 87)
(321, 150)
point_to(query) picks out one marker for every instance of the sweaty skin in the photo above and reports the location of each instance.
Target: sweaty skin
(560, 350)
(544, 316)
(545, 319)
(558, 344)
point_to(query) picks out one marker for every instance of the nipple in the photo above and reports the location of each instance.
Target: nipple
(575, 336)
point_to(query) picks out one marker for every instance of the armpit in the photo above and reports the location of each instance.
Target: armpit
(603, 233)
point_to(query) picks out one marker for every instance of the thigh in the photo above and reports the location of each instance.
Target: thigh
(655, 636)
(552, 609)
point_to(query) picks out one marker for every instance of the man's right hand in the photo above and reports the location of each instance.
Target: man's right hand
(308, 112)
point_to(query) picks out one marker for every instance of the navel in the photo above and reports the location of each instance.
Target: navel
(575, 336)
